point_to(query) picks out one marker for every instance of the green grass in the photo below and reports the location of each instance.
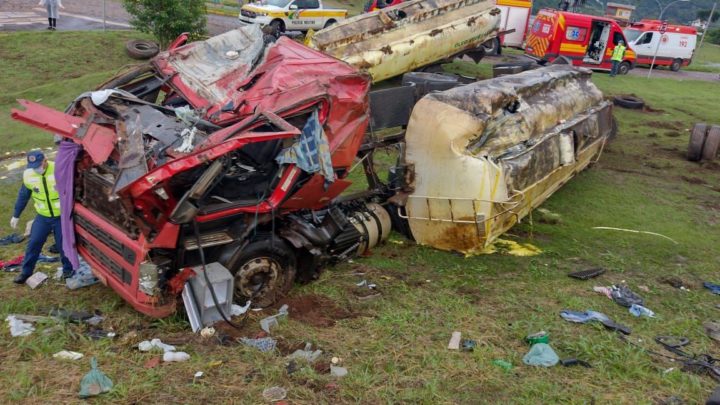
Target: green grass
(707, 59)
(395, 347)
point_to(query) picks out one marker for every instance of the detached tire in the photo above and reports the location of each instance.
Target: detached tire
(631, 102)
(141, 49)
(712, 143)
(697, 140)
(264, 271)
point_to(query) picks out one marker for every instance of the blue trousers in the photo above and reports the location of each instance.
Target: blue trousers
(41, 228)
(615, 65)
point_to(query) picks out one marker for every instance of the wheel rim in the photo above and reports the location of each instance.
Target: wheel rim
(489, 46)
(257, 277)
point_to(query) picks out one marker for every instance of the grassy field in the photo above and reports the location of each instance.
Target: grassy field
(707, 59)
(395, 347)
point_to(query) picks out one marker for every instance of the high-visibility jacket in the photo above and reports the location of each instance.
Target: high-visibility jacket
(618, 52)
(44, 193)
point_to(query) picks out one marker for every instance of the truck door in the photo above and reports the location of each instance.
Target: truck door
(305, 14)
(599, 35)
(646, 43)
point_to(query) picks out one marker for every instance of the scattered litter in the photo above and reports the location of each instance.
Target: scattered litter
(152, 363)
(198, 375)
(274, 394)
(587, 274)
(505, 365)
(271, 321)
(236, 310)
(263, 344)
(574, 362)
(97, 334)
(668, 370)
(603, 290)
(713, 330)
(335, 360)
(207, 332)
(365, 283)
(12, 264)
(307, 354)
(676, 282)
(639, 310)
(83, 277)
(644, 288)
(11, 239)
(625, 297)
(454, 343)
(94, 320)
(95, 382)
(634, 231)
(468, 345)
(512, 248)
(538, 337)
(541, 354)
(337, 371)
(591, 316)
(68, 355)
(714, 288)
(36, 279)
(71, 316)
(146, 346)
(18, 327)
(291, 367)
(175, 356)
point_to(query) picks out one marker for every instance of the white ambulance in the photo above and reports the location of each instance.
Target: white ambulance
(291, 15)
(676, 44)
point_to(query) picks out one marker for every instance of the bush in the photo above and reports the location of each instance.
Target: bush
(166, 19)
(713, 36)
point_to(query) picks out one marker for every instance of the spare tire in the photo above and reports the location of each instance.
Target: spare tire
(712, 143)
(627, 101)
(697, 139)
(141, 49)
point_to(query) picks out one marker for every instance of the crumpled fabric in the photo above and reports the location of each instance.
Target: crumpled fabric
(639, 310)
(607, 291)
(12, 264)
(541, 354)
(311, 152)
(18, 327)
(64, 179)
(11, 239)
(583, 317)
(624, 296)
(263, 344)
(714, 288)
(95, 382)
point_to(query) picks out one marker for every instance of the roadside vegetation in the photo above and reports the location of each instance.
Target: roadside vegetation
(395, 346)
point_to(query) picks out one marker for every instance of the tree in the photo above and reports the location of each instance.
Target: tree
(166, 19)
(705, 14)
(714, 36)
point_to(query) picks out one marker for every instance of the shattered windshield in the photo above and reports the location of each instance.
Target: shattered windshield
(277, 3)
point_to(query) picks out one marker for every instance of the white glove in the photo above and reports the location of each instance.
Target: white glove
(14, 222)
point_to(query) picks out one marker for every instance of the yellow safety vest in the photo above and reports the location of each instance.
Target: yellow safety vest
(44, 191)
(618, 52)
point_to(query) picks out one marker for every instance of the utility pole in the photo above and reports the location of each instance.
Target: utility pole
(104, 15)
(707, 27)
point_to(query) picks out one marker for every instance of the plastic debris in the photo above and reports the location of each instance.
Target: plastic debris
(337, 371)
(175, 356)
(335, 360)
(146, 346)
(98, 334)
(36, 279)
(83, 277)
(263, 344)
(207, 332)
(454, 343)
(236, 310)
(274, 394)
(18, 327)
(587, 274)
(541, 354)
(307, 354)
(591, 316)
(468, 345)
(538, 337)
(95, 382)
(639, 310)
(505, 365)
(68, 355)
(624, 296)
(271, 321)
(94, 320)
(198, 375)
(714, 288)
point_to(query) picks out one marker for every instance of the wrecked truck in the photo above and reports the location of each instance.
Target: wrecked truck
(237, 150)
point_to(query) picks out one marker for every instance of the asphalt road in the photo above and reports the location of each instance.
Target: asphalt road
(36, 19)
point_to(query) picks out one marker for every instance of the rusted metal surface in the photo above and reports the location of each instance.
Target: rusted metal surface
(486, 154)
(399, 39)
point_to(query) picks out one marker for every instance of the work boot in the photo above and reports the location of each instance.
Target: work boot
(21, 279)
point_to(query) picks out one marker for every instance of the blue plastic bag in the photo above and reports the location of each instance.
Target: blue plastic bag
(95, 382)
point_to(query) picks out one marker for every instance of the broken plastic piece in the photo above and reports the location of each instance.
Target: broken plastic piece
(587, 274)
(68, 355)
(18, 327)
(539, 337)
(308, 354)
(271, 321)
(274, 394)
(263, 344)
(337, 371)
(36, 279)
(468, 345)
(454, 343)
(505, 365)
(639, 310)
(236, 310)
(714, 288)
(207, 332)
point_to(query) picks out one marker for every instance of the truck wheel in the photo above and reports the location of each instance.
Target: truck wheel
(675, 66)
(697, 139)
(264, 271)
(624, 68)
(277, 27)
(329, 23)
(492, 46)
(712, 143)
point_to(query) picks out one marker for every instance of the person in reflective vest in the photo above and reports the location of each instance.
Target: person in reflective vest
(39, 185)
(617, 57)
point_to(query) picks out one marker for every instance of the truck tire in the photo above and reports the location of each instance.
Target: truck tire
(697, 140)
(675, 65)
(141, 49)
(329, 23)
(627, 101)
(712, 143)
(624, 68)
(492, 46)
(277, 26)
(264, 271)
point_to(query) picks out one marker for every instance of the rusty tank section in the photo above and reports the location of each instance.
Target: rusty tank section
(480, 157)
(399, 39)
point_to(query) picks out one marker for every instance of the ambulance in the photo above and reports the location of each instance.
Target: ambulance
(677, 44)
(291, 15)
(585, 40)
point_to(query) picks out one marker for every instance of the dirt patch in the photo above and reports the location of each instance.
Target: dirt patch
(711, 165)
(693, 180)
(316, 310)
(676, 125)
(673, 134)
(288, 347)
(650, 110)
(652, 135)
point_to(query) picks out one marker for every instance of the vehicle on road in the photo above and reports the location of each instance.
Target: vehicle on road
(585, 40)
(675, 47)
(291, 15)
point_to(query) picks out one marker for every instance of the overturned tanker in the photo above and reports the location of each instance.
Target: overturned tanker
(480, 157)
(395, 40)
(237, 150)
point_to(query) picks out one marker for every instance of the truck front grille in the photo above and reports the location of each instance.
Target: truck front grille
(108, 263)
(125, 252)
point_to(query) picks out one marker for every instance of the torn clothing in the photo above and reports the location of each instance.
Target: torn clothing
(311, 152)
